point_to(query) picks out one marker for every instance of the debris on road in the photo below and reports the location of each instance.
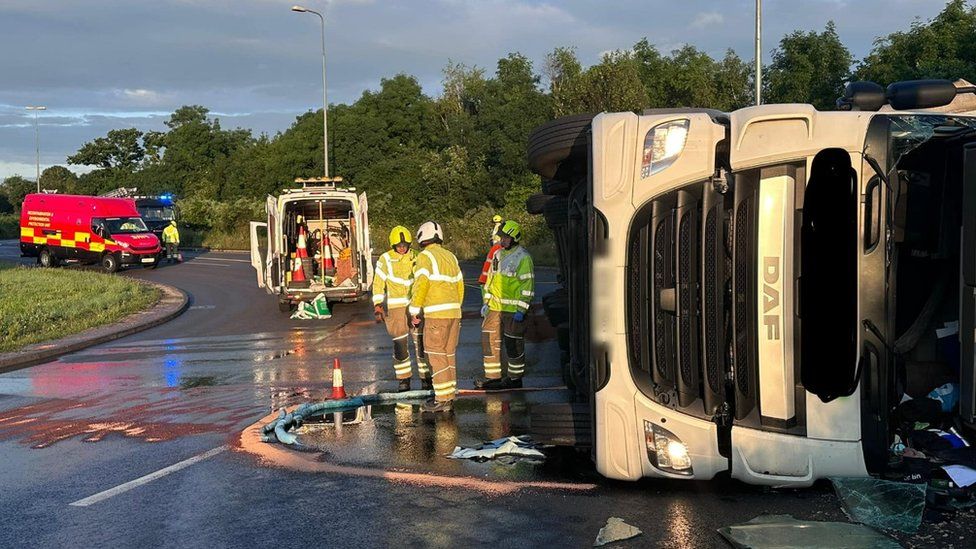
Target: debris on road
(317, 309)
(774, 531)
(516, 447)
(615, 530)
(882, 503)
(277, 430)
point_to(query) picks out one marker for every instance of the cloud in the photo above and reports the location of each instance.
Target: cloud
(705, 20)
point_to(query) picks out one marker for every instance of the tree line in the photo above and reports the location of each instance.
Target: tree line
(461, 154)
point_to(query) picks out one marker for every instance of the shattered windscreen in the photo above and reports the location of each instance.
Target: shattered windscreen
(909, 131)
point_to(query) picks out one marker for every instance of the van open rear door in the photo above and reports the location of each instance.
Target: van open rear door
(365, 246)
(259, 252)
(274, 275)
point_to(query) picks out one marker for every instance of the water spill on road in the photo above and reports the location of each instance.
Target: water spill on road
(398, 436)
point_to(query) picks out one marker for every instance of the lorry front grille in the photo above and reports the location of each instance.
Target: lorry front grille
(745, 365)
(713, 313)
(678, 289)
(686, 294)
(663, 273)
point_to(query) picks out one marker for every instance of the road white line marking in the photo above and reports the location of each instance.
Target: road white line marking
(222, 259)
(198, 264)
(203, 307)
(122, 488)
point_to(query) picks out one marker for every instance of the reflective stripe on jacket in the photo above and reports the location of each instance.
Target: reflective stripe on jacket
(170, 234)
(511, 281)
(394, 277)
(438, 285)
(483, 277)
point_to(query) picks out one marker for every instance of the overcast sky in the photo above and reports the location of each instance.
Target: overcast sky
(103, 64)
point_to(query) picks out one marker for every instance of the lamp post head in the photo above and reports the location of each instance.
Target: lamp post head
(298, 9)
(36, 108)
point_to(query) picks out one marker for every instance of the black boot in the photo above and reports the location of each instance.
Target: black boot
(483, 383)
(404, 385)
(503, 384)
(434, 407)
(426, 384)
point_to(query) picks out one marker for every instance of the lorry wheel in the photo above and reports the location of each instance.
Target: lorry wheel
(110, 263)
(556, 212)
(554, 143)
(46, 258)
(535, 203)
(284, 305)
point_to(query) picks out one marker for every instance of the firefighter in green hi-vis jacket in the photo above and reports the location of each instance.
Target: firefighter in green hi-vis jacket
(508, 293)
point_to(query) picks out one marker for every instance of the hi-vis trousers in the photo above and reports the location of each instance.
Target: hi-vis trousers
(497, 326)
(440, 343)
(398, 326)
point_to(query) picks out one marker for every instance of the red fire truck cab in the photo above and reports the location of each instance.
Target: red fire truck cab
(87, 229)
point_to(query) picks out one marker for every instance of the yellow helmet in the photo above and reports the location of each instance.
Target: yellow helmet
(496, 219)
(400, 234)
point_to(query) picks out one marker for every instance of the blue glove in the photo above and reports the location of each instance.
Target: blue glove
(484, 310)
(519, 316)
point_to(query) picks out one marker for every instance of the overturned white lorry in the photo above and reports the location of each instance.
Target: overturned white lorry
(756, 291)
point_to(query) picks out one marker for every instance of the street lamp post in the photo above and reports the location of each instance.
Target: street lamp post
(758, 52)
(325, 101)
(37, 144)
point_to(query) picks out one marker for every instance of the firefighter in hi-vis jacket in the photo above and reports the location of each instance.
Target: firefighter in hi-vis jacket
(394, 277)
(507, 295)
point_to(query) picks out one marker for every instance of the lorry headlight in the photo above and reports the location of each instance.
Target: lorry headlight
(662, 146)
(124, 245)
(666, 451)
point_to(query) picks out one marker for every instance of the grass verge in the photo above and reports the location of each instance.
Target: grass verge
(45, 304)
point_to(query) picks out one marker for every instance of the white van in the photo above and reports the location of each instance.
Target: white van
(337, 242)
(760, 288)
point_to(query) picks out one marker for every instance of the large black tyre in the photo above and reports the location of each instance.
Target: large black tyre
(556, 211)
(110, 263)
(560, 146)
(284, 306)
(556, 187)
(46, 258)
(535, 203)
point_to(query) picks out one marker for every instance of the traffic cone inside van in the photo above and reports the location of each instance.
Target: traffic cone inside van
(298, 279)
(301, 252)
(338, 391)
(328, 261)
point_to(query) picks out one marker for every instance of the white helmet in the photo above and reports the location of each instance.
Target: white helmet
(430, 231)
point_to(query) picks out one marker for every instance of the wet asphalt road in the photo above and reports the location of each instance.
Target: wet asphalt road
(102, 417)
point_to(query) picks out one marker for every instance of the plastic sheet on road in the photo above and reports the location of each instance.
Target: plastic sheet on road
(882, 503)
(777, 531)
(514, 447)
(615, 530)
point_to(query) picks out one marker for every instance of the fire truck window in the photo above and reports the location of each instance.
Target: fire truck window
(98, 227)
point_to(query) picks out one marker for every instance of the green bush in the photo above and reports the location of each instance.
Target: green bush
(9, 226)
(207, 223)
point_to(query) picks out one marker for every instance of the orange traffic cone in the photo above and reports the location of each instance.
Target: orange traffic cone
(300, 250)
(328, 262)
(338, 391)
(298, 279)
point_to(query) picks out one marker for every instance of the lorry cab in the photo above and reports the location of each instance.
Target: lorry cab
(86, 229)
(765, 287)
(335, 224)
